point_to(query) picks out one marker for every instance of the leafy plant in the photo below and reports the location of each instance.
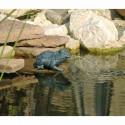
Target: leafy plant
(8, 37)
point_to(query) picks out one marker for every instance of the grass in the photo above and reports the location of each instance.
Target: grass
(8, 33)
(7, 40)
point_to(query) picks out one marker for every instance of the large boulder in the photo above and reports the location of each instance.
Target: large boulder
(7, 51)
(57, 16)
(29, 32)
(55, 29)
(96, 33)
(46, 41)
(13, 65)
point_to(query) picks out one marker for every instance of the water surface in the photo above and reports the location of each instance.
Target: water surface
(81, 90)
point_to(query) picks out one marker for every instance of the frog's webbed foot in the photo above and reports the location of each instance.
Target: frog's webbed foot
(58, 69)
(40, 67)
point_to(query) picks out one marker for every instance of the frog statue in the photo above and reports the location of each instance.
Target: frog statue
(50, 59)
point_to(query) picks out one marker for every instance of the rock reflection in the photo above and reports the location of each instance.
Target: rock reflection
(88, 69)
(53, 81)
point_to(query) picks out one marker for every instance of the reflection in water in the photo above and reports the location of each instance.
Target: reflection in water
(53, 81)
(103, 98)
(81, 90)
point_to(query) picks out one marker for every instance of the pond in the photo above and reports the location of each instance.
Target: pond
(90, 85)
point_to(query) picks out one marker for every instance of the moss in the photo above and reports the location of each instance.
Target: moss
(74, 51)
(103, 51)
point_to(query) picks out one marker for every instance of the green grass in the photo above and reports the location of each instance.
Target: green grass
(15, 42)
(7, 35)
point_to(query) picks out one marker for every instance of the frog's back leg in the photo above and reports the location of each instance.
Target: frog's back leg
(56, 68)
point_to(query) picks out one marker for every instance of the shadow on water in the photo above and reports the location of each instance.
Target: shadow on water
(81, 90)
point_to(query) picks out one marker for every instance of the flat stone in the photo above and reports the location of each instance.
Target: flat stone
(33, 51)
(46, 41)
(28, 69)
(57, 16)
(30, 31)
(13, 65)
(7, 51)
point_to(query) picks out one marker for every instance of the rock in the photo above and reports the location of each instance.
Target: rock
(71, 10)
(46, 41)
(33, 51)
(29, 22)
(21, 13)
(122, 35)
(57, 16)
(96, 33)
(7, 51)
(29, 32)
(41, 20)
(2, 16)
(119, 23)
(121, 12)
(114, 14)
(13, 65)
(55, 29)
(67, 26)
(102, 12)
(73, 46)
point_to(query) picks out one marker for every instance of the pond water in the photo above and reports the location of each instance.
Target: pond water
(86, 88)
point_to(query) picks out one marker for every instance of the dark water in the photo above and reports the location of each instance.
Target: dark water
(81, 90)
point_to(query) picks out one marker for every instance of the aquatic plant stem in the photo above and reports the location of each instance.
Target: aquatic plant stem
(7, 38)
(14, 46)
(7, 16)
